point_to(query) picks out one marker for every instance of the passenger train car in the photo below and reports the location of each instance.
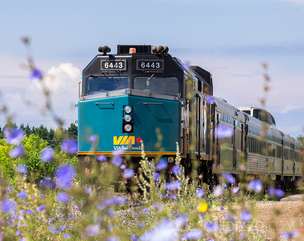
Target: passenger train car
(125, 97)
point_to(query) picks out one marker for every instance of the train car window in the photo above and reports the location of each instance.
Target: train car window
(161, 85)
(105, 84)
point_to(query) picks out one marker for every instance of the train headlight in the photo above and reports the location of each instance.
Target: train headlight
(128, 109)
(127, 118)
(128, 128)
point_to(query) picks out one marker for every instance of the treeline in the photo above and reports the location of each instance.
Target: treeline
(53, 137)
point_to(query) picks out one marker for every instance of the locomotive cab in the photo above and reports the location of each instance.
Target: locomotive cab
(126, 97)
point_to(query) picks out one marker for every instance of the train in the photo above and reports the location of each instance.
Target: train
(143, 92)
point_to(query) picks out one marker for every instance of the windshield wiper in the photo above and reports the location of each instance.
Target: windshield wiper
(149, 79)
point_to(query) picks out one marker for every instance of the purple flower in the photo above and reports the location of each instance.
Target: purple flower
(211, 227)
(16, 152)
(172, 197)
(22, 194)
(235, 189)
(13, 136)
(93, 138)
(255, 185)
(21, 168)
(218, 191)
(62, 197)
(66, 236)
(64, 176)
(245, 216)
(117, 160)
(200, 193)
(275, 191)
(173, 185)
(162, 164)
(223, 131)
(69, 146)
(36, 74)
(41, 208)
(18, 233)
(101, 158)
(193, 234)
(10, 188)
(156, 176)
(290, 235)
(123, 166)
(230, 218)
(113, 238)
(47, 182)
(134, 238)
(8, 206)
(176, 170)
(128, 173)
(210, 99)
(230, 179)
(186, 65)
(145, 211)
(47, 154)
(92, 230)
(118, 152)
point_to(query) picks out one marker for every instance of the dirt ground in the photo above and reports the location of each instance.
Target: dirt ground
(276, 217)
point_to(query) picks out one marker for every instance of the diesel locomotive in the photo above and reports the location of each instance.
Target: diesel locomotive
(125, 97)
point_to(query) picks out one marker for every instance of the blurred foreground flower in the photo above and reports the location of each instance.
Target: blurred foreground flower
(69, 146)
(173, 185)
(47, 154)
(255, 185)
(275, 191)
(36, 74)
(223, 131)
(211, 227)
(13, 136)
(16, 152)
(62, 197)
(21, 168)
(64, 176)
(101, 158)
(200, 193)
(245, 216)
(290, 235)
(8, 206)
(210, 99)
(193, 234)
(230, 179)
(218, 191)
(128, 173)
(162, 164)
(92, 230)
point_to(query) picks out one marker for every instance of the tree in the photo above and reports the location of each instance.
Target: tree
(73, 131)
(301, 138)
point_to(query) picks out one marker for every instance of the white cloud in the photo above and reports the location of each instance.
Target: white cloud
(289, 107)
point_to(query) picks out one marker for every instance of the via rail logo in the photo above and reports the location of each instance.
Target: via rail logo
(126, 143)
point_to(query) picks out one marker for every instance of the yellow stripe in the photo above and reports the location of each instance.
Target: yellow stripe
(132, 153)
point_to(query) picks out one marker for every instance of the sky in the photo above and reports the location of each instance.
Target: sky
(229, 38)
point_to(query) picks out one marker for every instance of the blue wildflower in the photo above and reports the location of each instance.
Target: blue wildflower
(117, 160)
(156, 176)
(209, 99)
(255, 185)
(200, 193)
(64, 176)
(101, 158)
(8, 206)
(172, 197)
(18, 233)
(134, 238)
(22, 194)
(47, 154)
(123, 166)
(52, 229)
(10, 188)
(13, 136)
(176, 170)
(62, 197)
(275, 191)
(245, 216)
(162, 164)
(92, 230)
(235, 189)
(173, 185)
(128, 173)
(193, 234)
(21, 168)
(113, 238)
(211, 227)
(230, 218)
(93, 138)
(69, 146)
(145, 211)
(118, 152)
(47, 182)
(41, 208)
(290, 235)
(66, 235)
(218, 191)
(16, 152)
(36, 74)
(230, 179)
(223, 131)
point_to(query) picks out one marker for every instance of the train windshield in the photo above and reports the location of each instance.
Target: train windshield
(105, 84)
(161, 85)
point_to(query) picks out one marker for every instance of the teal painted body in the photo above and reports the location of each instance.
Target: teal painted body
(104, 117)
